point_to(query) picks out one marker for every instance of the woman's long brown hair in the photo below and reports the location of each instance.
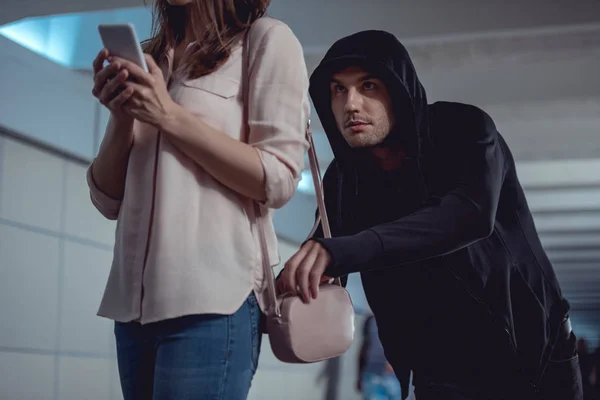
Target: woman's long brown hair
(215, 25)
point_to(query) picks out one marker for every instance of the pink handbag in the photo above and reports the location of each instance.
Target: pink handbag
(322, 329)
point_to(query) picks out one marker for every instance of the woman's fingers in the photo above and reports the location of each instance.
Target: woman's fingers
(99, 61)
(119, 100)
(102, 78)
(136, 72)
(109, 91)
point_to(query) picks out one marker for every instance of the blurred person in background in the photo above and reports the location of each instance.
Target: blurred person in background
(589, 362)
(595, 372)
(587, 369)
(424, 201)
(330, 375)
(188, 152)
(376, 379)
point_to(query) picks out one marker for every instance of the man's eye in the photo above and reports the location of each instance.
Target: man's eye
(339, 88)
(369, 85)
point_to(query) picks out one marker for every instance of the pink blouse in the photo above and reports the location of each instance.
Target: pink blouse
(186, 244)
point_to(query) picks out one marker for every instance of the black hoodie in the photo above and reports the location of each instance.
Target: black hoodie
(446, 246)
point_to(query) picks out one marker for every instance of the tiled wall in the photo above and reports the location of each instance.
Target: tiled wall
(54, 257)
(55, 253)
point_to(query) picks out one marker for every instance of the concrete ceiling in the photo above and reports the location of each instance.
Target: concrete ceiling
(335, 18)
(14, 10)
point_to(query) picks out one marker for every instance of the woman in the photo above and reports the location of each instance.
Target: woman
(214, 128)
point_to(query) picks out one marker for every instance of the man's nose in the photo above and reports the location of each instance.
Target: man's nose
(353, 101)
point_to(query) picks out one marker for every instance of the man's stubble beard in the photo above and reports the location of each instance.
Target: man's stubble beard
(368, 139)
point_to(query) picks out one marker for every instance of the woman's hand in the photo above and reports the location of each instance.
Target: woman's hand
(150, 101)
(109, 86)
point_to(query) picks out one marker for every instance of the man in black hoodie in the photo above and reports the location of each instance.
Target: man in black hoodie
(425, 203)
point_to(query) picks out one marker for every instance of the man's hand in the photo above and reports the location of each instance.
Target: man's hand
(303, 273)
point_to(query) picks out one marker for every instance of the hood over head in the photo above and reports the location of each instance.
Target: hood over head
(383, 55)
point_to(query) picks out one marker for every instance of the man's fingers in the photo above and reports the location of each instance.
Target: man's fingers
(289, 273)
(316, 275)
(282, 282)
(303, 275)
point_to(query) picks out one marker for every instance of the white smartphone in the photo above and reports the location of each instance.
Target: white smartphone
(121, 41)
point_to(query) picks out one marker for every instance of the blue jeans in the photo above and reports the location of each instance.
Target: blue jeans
(200, 357)
(381, 387)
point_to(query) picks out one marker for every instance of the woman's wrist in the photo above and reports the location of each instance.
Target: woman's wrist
(172, 119)
(120, 133)
(121, 119)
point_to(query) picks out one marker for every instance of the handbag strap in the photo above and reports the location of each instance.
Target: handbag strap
(318, 183)
(269, 276)
(315, 170)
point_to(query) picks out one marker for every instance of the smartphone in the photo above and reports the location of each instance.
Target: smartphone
(121, 41)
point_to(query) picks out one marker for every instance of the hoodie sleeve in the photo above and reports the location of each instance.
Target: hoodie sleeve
(463, 215)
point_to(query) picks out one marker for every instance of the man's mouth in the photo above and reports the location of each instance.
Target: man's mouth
(351, 124)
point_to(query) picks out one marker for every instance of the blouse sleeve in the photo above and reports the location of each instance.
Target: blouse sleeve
(278, 108)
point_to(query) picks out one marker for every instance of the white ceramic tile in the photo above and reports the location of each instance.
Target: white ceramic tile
(81, 217)
(26, 376)
(32, 186)
(28, 289)
(85, 273)
(84, 379)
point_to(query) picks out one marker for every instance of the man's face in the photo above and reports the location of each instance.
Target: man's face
(362, 107)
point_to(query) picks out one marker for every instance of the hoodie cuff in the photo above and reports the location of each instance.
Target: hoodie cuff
(351, 251)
